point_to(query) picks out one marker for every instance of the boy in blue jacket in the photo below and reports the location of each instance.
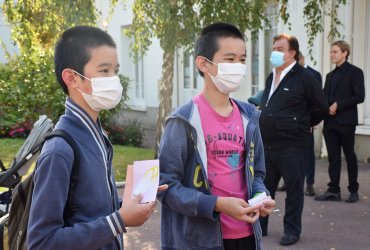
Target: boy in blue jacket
(86, 66)
(211, 155)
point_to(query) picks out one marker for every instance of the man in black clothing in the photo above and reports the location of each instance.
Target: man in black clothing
(310, 160)
(310, 157)
(292, 102)
(344, 89)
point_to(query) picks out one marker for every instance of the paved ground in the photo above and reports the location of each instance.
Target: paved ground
(326, 225)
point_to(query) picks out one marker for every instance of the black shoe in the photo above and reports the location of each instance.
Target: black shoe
(353, 197)
(328, 196)
(281, 188)
(310, 191)
(288, 239)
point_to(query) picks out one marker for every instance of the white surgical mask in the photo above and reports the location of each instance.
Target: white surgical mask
(106, 92)
(229, 76)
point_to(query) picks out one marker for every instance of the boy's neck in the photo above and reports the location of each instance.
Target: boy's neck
(80, 102)
(218, 101)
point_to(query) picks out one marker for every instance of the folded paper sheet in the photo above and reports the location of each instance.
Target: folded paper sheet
(259, 199)
(142, 178)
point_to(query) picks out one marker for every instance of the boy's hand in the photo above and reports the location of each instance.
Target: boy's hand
(135, 214)
(267, 207)
(237, 208)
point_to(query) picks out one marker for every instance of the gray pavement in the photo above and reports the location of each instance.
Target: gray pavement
(326, 225)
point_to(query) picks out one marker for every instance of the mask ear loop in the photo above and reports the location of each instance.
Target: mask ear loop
(83, 77)
(210, 62)
(80, 75)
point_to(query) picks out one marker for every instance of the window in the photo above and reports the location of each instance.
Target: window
(261, 49)
(272, 12)
(134, 70)
(190, 82)
(190, 72)
(255, 67)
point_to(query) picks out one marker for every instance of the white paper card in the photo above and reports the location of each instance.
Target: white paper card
(259, 199)
(146, 179)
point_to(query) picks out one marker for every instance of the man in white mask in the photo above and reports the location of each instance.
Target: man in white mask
(292, 102)
(86, 66)
(211, 155)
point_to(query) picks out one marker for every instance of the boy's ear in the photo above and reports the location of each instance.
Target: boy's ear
(201, 62)
(69, 78)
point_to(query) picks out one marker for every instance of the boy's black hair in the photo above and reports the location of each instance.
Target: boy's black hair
(73, 49)
(207, 43)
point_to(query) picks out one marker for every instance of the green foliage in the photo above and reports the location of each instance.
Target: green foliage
(28, 86)
(314, 13)
(27, 82)
(131, 133)
(134, 133)
(284, 13)
(177, 23)
(37, 23)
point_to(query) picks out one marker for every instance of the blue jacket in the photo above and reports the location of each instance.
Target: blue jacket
(188, 219)
(96, 224)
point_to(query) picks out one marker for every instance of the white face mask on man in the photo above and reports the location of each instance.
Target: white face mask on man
(229, 76)
(106, 92)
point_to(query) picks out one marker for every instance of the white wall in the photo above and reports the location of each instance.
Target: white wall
(5, 36)
(295, 9)
(152, 61)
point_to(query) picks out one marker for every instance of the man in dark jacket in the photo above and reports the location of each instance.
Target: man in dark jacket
(292, 102)
(310, 161)
(344, 89)
(310, 157)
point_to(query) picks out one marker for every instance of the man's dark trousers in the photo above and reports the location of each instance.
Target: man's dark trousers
(310, 157)
(337, 136)
(288, 163)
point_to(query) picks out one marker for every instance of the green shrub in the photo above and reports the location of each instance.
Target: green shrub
(28, 88)
(131, 133)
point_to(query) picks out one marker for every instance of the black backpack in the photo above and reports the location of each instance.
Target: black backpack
(13, 226)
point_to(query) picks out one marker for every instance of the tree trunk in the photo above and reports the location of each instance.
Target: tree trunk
(165, 94)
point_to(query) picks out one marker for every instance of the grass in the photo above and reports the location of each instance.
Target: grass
(123, 155)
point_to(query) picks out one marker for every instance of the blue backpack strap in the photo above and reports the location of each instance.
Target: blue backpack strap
(70, 207)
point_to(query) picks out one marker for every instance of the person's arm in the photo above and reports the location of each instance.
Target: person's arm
(259, 174)
(259, 164)
(175, 153)
(317, 100)
(358, 92)
(46, 227)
